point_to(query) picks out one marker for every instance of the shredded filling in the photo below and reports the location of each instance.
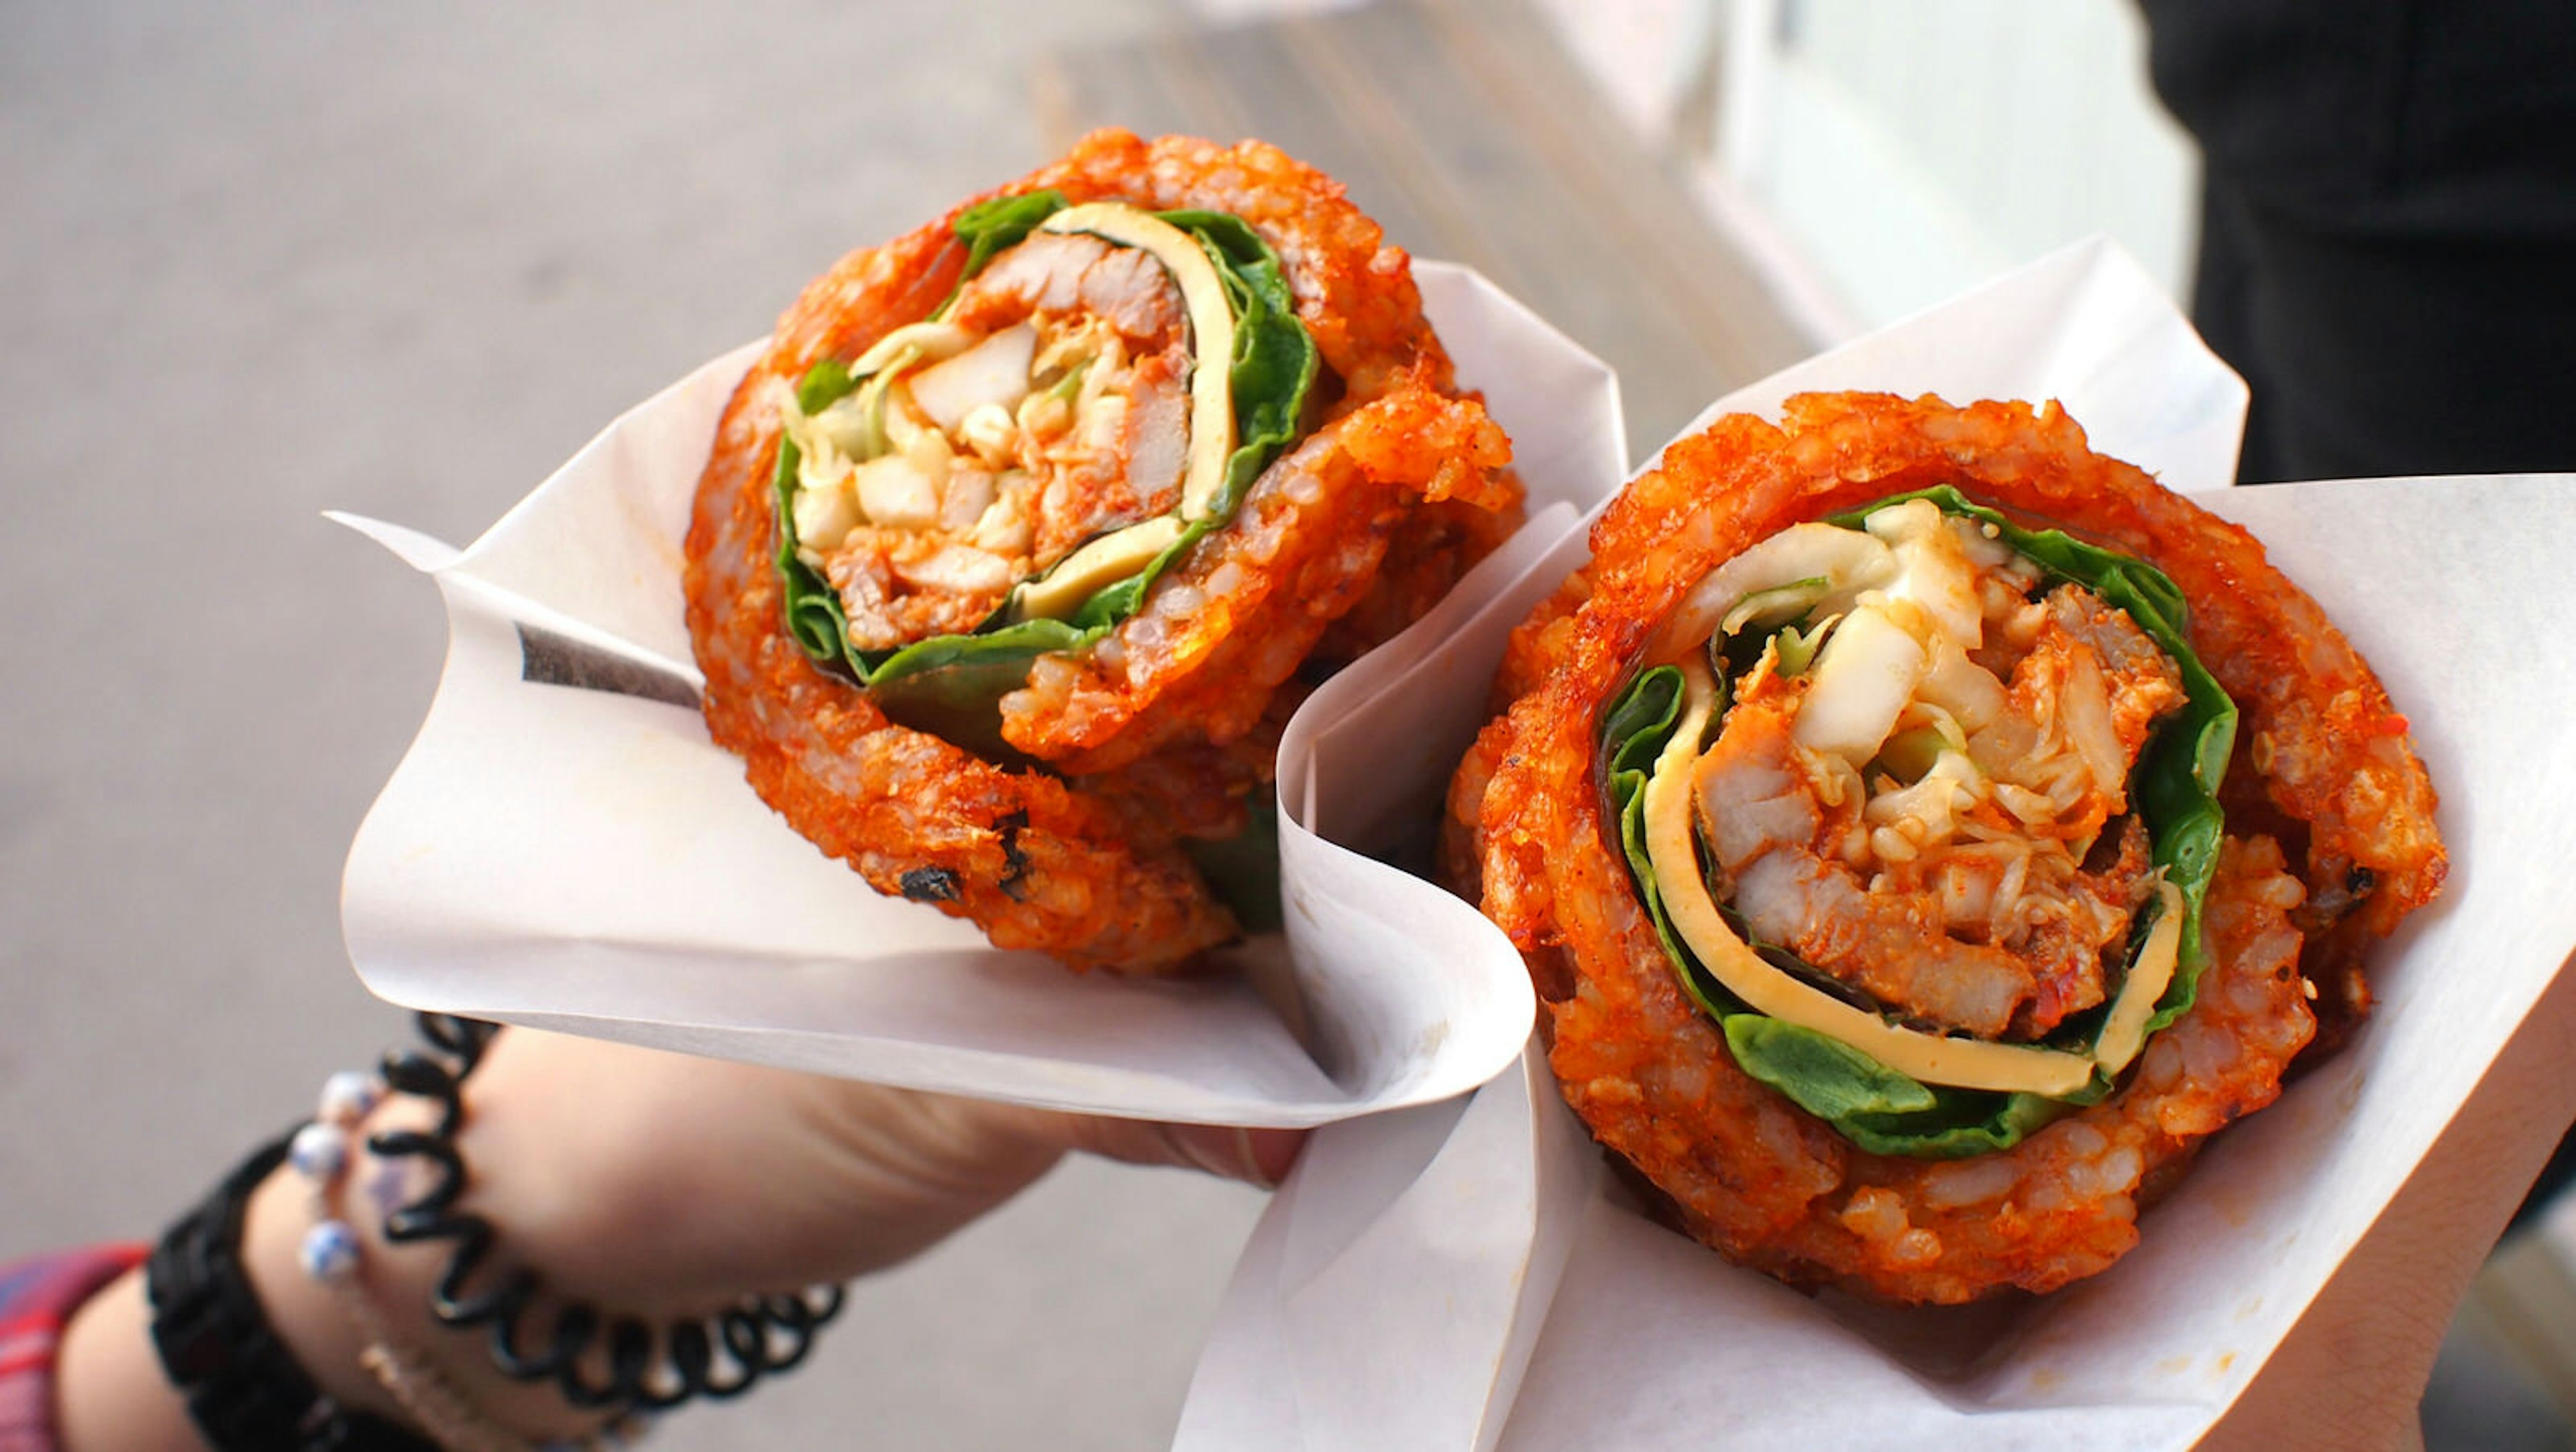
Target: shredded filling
(1047, 407)
(1935, 811)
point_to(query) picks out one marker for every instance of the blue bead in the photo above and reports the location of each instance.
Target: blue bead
(330, 1251)
(349, 1096)
(319, 1152)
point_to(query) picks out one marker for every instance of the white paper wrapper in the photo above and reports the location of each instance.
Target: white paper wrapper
(1387, 1294)
(587, 860)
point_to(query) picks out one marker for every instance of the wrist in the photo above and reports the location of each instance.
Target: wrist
(109, 1393)
(301, 1312)
(545, 1224)
(393, 1284)
(242, 1387)
(328, 1294)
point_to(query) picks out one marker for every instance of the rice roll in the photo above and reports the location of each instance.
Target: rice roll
(1924, 832)
(1018, 545)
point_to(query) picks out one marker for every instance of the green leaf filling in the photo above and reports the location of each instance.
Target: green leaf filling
(1243, 870)
(1271, 370)
(823, 385)
(1962, 1122)
(1633, 734)
(1274, 357)
(1797, 651)
(1827, 1077)
(813, 612)
(2176, 788)
(988, 227)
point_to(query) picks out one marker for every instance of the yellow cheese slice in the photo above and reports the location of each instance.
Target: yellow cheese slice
(1103, 562)
(2124, 1033)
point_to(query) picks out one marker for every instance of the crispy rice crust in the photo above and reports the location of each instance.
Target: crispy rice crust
(1745, 1170)
(1164, 731)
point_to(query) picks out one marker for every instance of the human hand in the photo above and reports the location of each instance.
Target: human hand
(644, 1183)
(664, 1185)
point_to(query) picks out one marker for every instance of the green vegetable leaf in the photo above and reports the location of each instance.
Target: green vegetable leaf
(953, 699)
(1023, 642)
(1797, 651)
(988, 227)
(1112, 602)
(1274, 359)
(1910, 755)
(1960, 1123)
(1825, 1076)
(1633, 733)
(1639, 723)
(813, 612)
(824, 384)
(1243, 870)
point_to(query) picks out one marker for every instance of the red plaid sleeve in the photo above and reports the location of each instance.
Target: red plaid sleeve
(37, 1299)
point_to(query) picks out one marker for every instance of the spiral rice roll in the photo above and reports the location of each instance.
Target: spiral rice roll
(1011, 548)
(1925, 832)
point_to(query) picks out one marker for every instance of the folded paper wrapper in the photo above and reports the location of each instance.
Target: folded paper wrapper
(564, 847)
(1464, 1276)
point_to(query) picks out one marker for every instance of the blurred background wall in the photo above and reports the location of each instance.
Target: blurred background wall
(1909, 152)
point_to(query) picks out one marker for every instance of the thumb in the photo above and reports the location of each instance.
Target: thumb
(1255, 1156)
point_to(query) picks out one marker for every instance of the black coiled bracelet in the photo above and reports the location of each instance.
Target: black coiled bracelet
(650, 1370)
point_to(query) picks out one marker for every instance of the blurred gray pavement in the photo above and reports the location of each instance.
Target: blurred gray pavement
(259, 260)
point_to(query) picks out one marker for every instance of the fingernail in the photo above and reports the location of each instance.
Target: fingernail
(1259, 1157)
(1268, 1154)
(1222, 1152)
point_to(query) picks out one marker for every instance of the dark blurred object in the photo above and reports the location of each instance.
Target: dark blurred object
(2388, 240)
(1472, 136)
(2554, 1177)
(2388, 254)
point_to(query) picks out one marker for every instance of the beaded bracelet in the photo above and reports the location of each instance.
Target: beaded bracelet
(331, 1253)
(243, 1388)
(646, 1370)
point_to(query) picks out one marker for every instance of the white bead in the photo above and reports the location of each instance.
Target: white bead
(348, 1097)
(329, 1252)
(319, 1152)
